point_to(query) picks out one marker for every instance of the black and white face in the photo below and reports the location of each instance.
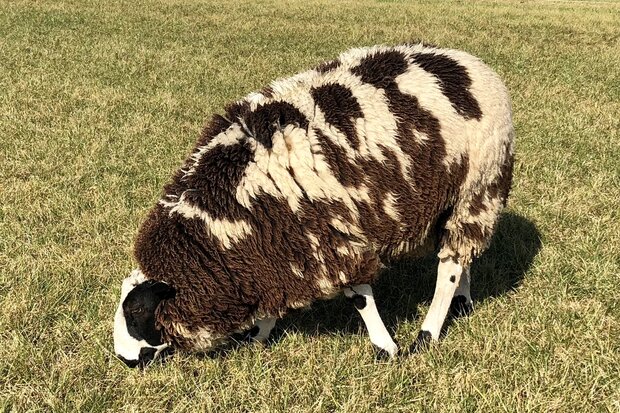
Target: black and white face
(137, 342)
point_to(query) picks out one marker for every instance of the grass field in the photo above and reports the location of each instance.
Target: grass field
(101, 101)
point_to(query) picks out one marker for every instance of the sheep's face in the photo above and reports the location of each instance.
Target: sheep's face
(137, 340)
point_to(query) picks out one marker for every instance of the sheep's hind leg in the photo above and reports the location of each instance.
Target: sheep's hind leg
(462, 304)
(449, 277)
(363, 299)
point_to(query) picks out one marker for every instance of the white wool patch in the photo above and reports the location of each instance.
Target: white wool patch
(326, 286)
(346, 227)
(343, 250)
(389, 206)
(257, 180)
(253, 183)
(295, 88)
(313, 239)
(488, 137)
(255, 99)
(361, 193)
(226, 231)
(293, 169)
(276, 162)
(297, 271)
(302, 163)
(297, 304)
(426, 88)
(332, 188)
(202, 339)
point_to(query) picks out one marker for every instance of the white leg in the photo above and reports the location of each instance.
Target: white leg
(365, 303)
(448, 277)
(265, 326)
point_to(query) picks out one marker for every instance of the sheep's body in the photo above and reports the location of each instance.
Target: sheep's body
(302, 190)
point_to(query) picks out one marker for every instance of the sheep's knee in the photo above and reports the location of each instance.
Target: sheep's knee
(364, 302)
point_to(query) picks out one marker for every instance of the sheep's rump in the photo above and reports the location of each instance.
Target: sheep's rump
(306, 186)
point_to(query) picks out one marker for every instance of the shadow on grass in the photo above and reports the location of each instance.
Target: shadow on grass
(408, 283)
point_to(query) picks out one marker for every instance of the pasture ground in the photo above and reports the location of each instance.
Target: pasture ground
(101, 101)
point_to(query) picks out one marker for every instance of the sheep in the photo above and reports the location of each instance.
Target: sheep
(309, 187)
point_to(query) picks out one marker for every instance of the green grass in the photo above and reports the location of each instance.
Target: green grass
(101, 101)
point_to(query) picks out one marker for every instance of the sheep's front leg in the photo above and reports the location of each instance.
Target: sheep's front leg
(362, 298)
(262, 329)
(449, 274)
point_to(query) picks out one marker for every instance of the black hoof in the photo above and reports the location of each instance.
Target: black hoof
(381, 354)
(459, 307)
(250, 334)
(246, 336)
(422, 342)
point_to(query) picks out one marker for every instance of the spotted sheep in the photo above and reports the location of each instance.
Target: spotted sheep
(308, 187)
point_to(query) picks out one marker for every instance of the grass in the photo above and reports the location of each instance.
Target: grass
(101, 101)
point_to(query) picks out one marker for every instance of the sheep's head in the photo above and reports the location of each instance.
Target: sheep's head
(137, 337)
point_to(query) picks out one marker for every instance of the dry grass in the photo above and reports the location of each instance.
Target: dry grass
(100, 101)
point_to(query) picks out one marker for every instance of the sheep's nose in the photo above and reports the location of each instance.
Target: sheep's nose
(147, 354)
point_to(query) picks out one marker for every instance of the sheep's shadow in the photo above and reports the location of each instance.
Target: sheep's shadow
(410, 282)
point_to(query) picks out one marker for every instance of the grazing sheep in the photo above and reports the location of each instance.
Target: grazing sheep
(304, 189)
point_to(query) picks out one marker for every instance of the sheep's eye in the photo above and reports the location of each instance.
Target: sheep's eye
(138, 310)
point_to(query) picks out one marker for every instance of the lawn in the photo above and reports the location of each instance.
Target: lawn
(101, 101)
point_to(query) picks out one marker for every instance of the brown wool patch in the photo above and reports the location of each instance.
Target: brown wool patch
(476, 204)
(212, 186)
(267, 91)
(264, 264)
(454, 82)
(416, 42)
(222, 290)
(237, 110)
(500, 187)
(271, 117)
(347, 173)
(340, 108)
(327, 66)
(474, 232)
(381, 178)
(381, 69)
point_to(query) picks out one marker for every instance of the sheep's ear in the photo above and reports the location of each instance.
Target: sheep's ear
(163, 291)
